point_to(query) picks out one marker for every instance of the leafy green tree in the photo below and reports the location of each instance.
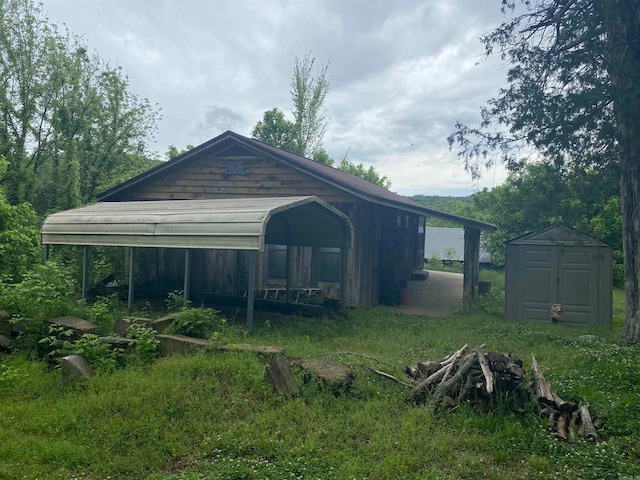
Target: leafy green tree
(308, 94)
(274, 129)
(173, 151)
(304, 135)
(572, 94)
(369, 174)
(68, 123)
(19, 236)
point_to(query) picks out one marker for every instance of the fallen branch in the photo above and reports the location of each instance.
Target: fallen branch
(386, 375)
(335, 354)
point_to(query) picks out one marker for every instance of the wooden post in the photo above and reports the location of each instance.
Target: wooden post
(187, 274)
(288, 267)
(251, 288)
(471, 266)
(85, 271)
(46, 253)
(131, 261)
(343, 276)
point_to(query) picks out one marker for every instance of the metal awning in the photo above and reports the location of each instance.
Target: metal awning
(220, 224)
(236, 224)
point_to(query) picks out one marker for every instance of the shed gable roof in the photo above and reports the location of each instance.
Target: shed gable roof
(230, 142)
(557, 233)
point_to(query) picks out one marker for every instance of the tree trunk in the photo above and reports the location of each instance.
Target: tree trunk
(622, 24)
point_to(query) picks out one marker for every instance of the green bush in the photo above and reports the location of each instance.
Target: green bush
(46, 291)
(198, 322)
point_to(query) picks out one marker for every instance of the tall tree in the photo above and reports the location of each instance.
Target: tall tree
(274, 129)
(68, 122)
(308, 93)
(573, 93)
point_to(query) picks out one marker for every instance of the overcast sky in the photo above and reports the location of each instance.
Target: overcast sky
(402, 72)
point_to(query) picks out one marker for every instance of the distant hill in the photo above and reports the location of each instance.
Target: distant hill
(456, 205)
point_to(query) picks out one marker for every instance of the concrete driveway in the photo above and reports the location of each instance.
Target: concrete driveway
(440, 295)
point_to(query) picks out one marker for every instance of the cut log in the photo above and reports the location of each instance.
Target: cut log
(280, 373)
(426, 383)
(543, 389)
(454, 358)
(248, 347)
(486, 371)
(561, 404)
(588, 430)
(445, 388)
(561, 431)
(331, 372)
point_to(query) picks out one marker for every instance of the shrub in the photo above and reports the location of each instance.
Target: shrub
(47, 291)
(198, 322)
(145, 344)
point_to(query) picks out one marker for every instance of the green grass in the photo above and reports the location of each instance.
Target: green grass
(214, 416)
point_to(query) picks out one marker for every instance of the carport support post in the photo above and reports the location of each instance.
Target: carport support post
(187, 274)
(343, 277)
(251, 288)
(288, 284)
(85, 271)
(131, 258)
(471, 266)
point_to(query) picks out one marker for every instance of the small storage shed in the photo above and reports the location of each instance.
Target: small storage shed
(558, 265)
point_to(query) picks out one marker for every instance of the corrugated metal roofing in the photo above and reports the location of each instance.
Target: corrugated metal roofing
(237, 224)
(342, 180)
(448, 244)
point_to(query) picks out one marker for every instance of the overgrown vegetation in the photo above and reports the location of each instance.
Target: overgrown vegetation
(214, 416)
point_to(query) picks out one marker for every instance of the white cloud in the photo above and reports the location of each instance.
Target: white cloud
(402, 72)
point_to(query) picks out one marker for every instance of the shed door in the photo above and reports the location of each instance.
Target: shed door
(578, 285)
(559, 274)
(540, 286)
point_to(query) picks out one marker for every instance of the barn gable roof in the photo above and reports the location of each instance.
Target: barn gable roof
(230, 141)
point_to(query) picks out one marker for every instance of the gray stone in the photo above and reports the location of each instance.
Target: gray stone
(5, 342)
(587, 338)
(172, 344)
(5, 325)
(116, 342)
(74, 368)
(79, 325)
(122, 324)
(162, 324)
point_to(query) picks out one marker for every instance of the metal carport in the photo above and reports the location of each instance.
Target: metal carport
(227, 224)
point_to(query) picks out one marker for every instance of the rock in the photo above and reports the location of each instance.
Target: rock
(5, 325)
(172, 344)
(122, 324)
(79, 325)
(116, 342)
(74, 368)
(587, 338)
(5, 342)
(162, 324)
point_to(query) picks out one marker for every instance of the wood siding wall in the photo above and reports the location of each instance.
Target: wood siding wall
(246, 176)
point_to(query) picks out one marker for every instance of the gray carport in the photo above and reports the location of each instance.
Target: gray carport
(225, 224)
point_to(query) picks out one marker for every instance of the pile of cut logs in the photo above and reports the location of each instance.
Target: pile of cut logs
(483, 377)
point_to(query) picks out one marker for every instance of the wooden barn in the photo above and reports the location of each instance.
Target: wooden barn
(386, 248)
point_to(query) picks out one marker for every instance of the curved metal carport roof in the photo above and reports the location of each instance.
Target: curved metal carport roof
(219, 224)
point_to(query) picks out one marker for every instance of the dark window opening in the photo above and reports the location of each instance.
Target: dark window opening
(277, 261)
(329, 264)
